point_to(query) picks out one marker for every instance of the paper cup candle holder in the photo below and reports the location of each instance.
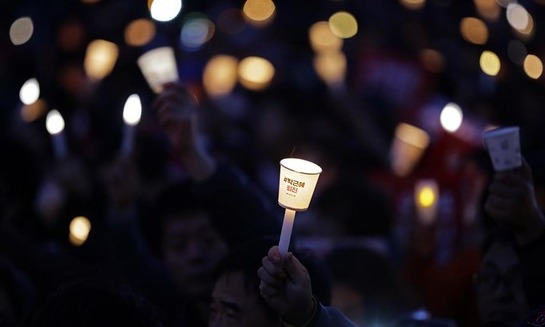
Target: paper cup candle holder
(503, 146)
(158, 67)
(298, 179)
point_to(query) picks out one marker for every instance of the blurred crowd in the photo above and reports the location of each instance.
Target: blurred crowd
(182, 230)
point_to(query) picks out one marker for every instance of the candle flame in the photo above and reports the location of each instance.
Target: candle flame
(54, 122)
(132, 110)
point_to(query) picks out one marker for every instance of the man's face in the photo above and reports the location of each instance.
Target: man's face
(500, 294)
(233, 305)
(192, 249)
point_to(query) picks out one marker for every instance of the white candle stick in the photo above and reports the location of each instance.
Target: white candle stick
(285, 234)
(55, 125)
(131, 115)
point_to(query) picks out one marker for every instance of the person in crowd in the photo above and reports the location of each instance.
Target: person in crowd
(510, 279)
(194, 222)
(286, 286)
(500, 295)
(236, 300)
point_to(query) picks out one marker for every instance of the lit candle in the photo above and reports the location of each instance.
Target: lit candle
(55, 126)
(30, 91)
(298, 179)
(426, 197)
(131, 116)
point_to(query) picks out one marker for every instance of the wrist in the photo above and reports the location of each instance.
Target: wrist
(302, 316)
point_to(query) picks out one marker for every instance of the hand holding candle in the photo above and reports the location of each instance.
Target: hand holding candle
(298, 179)
(503, 146)
(158, 67)
(131, 116)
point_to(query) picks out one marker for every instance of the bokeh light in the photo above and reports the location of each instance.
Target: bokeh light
(255, 73)
(54, 122)
(165, 10)
(474, 30)
(196, 31)
(331, 67)
(533, 66)
(517, 16)
(220, 75)
(79, 230)
(21, 30)
(32, 112)
(30, 91)
(322, 38)
(426, 197)
(343, 24)
(100, 59)
(413, 4)
(451, 117)
(432, 60)
(490, 63)
(408, 146)
(132, 111)
(139, 32)
(259, 12)
(488, 9)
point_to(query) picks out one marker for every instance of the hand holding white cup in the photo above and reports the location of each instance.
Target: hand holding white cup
(298, 179)
(503, 146)
(158, 67)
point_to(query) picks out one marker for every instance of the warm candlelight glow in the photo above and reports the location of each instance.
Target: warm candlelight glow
(258, 12)
(490, 63)
(220, 75)
(132, 110)
(255, 73)
(331, 67)
(139, 32)
(343, 24)
(533, 66)
(79, 230)
(408, 146)
(322, 38)
(100, 59)
(451, 117)
(165, 10)
(54, 122)
(30, 91)
(426, 196)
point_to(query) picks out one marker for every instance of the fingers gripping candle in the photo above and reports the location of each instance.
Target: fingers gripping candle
(298, 179)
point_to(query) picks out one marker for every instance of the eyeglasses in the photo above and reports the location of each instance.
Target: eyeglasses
(492, 279)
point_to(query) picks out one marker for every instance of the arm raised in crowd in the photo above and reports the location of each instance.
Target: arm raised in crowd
(511, 202)
(286, 287)
(240, 210)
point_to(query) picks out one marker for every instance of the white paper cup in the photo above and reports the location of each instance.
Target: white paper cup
(158, 67)
(298, 179)
(503, 146)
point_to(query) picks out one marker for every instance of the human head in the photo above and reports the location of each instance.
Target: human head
(236, 300)
(183, 236)
(500, 293)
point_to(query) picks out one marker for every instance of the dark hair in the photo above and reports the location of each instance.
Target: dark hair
(247, 257)
(175, 199)
(96, 300)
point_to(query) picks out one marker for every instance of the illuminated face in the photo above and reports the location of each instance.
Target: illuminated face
(192, 249)
(500, 294)
(234, 305)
